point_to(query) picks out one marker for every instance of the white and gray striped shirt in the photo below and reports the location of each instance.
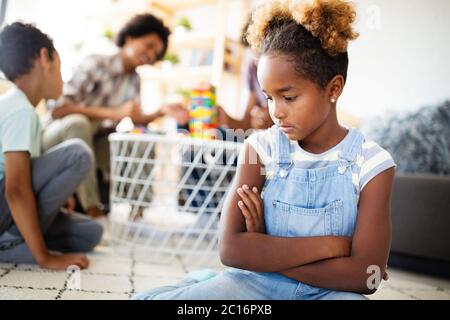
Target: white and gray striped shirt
(373, 160)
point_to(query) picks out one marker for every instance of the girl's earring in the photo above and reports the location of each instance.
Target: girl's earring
(333, 100)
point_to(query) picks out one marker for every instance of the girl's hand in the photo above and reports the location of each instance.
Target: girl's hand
(339, 246)
(252, 208)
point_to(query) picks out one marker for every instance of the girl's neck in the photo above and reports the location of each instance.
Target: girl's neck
(324, 138)
(31, 87)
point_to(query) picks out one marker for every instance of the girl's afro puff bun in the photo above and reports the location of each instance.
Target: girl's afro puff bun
(328, 20)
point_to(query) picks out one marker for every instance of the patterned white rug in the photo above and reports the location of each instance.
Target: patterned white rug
(116, 277)
(108, 277)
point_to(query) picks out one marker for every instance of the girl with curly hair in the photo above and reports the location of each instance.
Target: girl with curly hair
(321, 227)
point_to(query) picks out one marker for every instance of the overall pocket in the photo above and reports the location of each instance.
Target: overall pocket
(305, 222)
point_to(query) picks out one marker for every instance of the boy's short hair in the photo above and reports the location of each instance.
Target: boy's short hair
(142, 25)
(20, 46)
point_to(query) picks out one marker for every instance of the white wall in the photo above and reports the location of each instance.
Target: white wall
(401, 60)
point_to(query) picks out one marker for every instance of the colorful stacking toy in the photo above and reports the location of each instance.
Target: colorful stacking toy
(203, 113)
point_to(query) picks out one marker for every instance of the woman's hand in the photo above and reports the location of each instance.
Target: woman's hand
(260, 118)
(65, 110)
(130, 109)
(252, 208)
(178, 111)
(223, 119)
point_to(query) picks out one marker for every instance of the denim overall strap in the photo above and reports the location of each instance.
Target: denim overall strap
(352, 149)
(350, 153)
(351, 159)
(283, 154)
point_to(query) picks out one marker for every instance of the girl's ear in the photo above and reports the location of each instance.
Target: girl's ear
(335, 88)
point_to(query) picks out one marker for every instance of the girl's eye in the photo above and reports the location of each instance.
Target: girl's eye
(290, 99)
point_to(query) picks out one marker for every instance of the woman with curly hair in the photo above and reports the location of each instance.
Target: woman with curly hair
(321, 228)
(107, 87)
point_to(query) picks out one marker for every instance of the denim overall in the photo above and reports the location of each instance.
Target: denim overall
(297, 203)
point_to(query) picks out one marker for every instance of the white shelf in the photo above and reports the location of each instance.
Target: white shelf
(192, 40)
(176, 73)
(202, 45)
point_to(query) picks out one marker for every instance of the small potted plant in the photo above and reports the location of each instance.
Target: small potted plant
(170, 59)
(182, 25)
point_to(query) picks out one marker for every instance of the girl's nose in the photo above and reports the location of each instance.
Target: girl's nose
(278, 112)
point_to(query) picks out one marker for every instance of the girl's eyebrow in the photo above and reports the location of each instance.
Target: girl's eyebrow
(281, 90)
(284, 89)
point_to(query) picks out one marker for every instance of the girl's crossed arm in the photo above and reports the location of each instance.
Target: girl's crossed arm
(260, 252)
(370, 245)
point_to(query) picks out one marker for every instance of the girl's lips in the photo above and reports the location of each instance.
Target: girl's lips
(287, 129)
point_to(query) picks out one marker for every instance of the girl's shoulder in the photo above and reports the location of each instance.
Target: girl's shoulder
(373, 161)
(264, 143)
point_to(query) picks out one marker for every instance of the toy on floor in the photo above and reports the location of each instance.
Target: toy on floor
(203, 113)
(140, 130)
(126, 125)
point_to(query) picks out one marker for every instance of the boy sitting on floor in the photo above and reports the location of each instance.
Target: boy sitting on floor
(34, 187)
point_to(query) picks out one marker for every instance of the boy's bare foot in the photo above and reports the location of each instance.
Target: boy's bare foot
(95, 212)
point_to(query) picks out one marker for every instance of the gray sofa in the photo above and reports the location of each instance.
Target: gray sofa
(421, 224)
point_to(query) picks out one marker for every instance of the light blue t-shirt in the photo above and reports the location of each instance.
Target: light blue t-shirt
(20, 127)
